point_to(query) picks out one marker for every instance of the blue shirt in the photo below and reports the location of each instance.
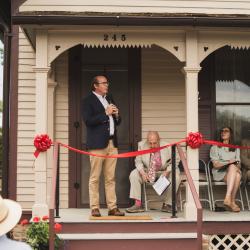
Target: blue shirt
(8, 244)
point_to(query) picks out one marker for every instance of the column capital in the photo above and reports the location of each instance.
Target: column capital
(41, 70)
(51, 83)
(190, 70)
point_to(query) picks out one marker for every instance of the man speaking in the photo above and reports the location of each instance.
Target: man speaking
(101, 117)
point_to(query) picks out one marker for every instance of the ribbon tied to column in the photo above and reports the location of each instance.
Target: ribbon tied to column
(195, 140)
(42, 143)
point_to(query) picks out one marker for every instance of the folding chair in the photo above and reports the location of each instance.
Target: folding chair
(220, 183)
(203, 182)
(246, 193)
(146, 200)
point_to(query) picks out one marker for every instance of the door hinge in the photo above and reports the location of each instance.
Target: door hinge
(76, 185)
(76, 124)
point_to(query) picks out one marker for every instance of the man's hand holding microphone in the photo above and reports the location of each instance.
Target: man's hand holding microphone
(112, 110)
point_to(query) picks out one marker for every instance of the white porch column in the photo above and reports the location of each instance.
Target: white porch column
(51, 106)
(191, 83)
(41, 69)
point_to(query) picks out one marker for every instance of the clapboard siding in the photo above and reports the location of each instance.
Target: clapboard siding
(61, 123)
(139, 6)
(26, 123)
(163, 94)
(163, 98)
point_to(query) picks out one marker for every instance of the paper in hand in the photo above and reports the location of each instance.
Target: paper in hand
(161, 184)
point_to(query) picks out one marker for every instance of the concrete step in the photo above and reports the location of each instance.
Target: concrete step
(129, 241)
(128, 227)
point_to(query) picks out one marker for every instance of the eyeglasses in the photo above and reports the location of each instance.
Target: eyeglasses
(104, 83)
(225, 131)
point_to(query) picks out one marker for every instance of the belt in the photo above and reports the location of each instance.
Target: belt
(111, 137)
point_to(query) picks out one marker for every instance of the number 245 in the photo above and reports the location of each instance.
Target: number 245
(114, 37)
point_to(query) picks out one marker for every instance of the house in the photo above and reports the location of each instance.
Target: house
(174, 67)
(5, 37)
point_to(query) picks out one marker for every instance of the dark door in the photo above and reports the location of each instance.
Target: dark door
(122, 67)
(206, 106)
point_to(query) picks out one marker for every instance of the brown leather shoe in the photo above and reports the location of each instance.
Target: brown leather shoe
(115, 212)
(95, 212)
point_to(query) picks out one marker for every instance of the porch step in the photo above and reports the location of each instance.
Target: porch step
(129, 241)
(128, 236)
(123, 227)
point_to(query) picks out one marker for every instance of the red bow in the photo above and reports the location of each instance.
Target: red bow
(42, 144)
(195, 140)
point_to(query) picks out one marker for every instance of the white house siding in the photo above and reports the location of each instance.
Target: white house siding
(61, 123)
(163, 94)
(141, 6)
(26, 123)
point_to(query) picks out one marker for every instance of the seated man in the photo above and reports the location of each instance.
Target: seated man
(148, 167)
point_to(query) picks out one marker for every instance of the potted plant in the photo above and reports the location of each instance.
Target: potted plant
(37, 234)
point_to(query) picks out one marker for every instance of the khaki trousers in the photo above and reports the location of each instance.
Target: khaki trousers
(136, 182)
(97, 164)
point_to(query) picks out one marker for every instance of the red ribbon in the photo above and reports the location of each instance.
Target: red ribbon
(122, 155)
(42, 143)
(194, 140)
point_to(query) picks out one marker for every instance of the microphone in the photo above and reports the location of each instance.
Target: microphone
(109, 99)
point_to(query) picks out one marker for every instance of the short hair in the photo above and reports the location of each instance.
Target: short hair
(155, 133)
(95, 81)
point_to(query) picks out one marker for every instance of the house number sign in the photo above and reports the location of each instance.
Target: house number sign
(114, 37)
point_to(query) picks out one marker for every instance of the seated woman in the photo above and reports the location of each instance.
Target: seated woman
(245, 161)
(226, 167)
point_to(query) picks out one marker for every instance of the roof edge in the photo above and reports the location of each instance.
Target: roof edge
(117, 20)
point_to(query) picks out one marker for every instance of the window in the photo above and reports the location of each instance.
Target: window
(232, 87)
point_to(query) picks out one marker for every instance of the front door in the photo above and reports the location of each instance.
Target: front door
(122, 67)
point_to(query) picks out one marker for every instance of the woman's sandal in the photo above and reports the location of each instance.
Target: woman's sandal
(235, 208)
(228, 204)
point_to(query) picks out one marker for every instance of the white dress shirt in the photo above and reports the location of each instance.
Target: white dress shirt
(8, 244)
(105, 104)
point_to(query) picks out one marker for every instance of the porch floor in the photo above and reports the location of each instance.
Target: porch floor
(82, 215)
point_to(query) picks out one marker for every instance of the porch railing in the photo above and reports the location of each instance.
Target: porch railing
(53, 195)
(195, 196)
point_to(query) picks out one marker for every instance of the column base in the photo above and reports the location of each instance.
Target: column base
(40, 210)
(190, 211)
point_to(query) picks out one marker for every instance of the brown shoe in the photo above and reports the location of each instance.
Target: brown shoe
(95, 212)
(115, 212)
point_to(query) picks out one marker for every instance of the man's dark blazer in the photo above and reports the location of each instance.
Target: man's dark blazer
(97, 122)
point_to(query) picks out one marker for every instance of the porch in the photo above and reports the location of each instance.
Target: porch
(153, 227)
(218, 230)
(82, 215)
(166, 100)
(165, 63)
